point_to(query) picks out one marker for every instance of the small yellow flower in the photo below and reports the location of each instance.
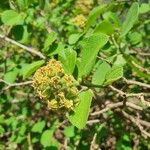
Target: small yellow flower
(53, 104)
(79, 21)
(84, 6)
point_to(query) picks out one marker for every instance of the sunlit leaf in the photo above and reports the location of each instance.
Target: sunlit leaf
(81, 112)
(131, 18)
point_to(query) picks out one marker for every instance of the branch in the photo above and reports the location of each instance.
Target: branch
(31, 50)
(123, 94)
(103, 59)
(14, 84)
(90, 122)
(93, 143)
(136, 83)
(138, 95)
(116, 105)
(141, 68)
(137, 122)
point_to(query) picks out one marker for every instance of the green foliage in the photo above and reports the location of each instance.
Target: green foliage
(11, 75)
(87, 60)
(131, 18)
(100, 74)
(68, 59)
(49, 40)
(97, 11)
(38, 127)
(69, 131)
(11, 17)
(115, 73)
(31, 68)
(47, 139)
(96, 43)
(80, 115)
(101, 27)
(144, 8)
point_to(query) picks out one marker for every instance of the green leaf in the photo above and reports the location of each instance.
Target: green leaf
(134, 38)
(22, 129)
(80, 115)
(11, 75)
(47, 139)
(144, 8)
(49, 40)
(113, 18)
(56, 48)
(31, 68)
(21, 4)
(69, 131)
(104, 27)
(131, 18)
(120, 61)
(73, 38)
(11, 17)
(38, 127)
(2, 130)
(89, 49)
(100, 73)
(68, 59)
(2, 119)
(94, 14)
(114, 74)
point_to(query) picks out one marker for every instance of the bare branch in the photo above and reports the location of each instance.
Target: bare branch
(137, 122)
(90, 122)
(103, 59)
(14, 84)
(141, 68)
(123, 94)
(93, 145)
(29, 49)
(136, 83)
(116, 105)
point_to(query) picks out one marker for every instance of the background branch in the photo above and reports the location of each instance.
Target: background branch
(14, 84)
(29, 49)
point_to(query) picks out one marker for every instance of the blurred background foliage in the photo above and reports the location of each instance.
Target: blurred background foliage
(52, 27)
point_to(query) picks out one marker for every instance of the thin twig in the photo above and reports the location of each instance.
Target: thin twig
(140, 96)
(93, 145)
(141, 54)
(90, 122)
(65, 144)
(29, 49)
(137, 122)
(29, 142)
(144, 102)
(123, 94)
(103, 59)
(14, 84)
(141, 68)
(116, 105)
(136, 83)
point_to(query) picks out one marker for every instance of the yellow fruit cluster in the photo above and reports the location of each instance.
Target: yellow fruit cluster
(84, 6)
(55, 87)
(79, 21)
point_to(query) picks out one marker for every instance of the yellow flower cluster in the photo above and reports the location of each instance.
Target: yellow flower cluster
(55, 87)
(54, 3)
(79, 21)
(84, 6)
